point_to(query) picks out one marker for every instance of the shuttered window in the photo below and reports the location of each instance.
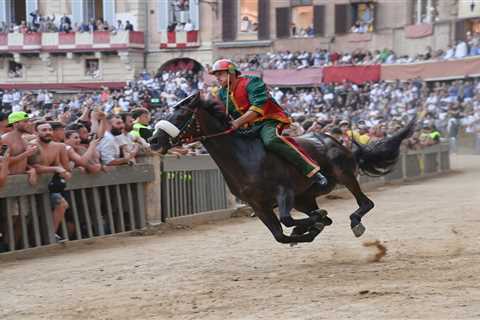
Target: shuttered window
(264, 19)
(376, 10)
(343, 18)
(319, 20)
(229, 21)
(282, 22)
(460, 30)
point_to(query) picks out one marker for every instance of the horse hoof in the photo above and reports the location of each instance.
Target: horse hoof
(358, 230)
(298, 231)
(327, 221)
(318, 226)
(320, 212)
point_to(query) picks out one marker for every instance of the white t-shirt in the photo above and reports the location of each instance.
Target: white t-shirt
(461, 50)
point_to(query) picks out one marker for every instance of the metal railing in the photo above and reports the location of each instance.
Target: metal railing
(191, 185)
(105, 203)
(416, 164)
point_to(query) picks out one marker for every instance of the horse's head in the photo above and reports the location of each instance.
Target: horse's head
(186, 123)
(170, 132)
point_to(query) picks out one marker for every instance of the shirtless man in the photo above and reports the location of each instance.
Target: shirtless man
(4, 158)
(20, 150)
(3, 123)
(50, 159)
(3, 179)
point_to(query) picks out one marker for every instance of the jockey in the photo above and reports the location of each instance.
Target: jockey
(250, 104)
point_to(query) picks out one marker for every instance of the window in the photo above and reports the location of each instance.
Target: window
(86, 10)
(248, 10)
(92, 68)
(17, 11)
(357, 17)
(178, 15)
(302, 21)
(363, 17)
(93, 9)
(425, 11)
(15, 70)
(465, 28)
(245, 20)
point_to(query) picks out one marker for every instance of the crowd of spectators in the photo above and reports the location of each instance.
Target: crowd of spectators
(93, 132)
(376, 110)
(39, 23)
(322, 57)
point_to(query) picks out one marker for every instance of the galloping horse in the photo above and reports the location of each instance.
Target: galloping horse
(265, 181)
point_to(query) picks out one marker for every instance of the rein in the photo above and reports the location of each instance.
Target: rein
(184, 137)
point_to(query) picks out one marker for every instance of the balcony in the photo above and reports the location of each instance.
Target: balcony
(70, 42)
(179, 39)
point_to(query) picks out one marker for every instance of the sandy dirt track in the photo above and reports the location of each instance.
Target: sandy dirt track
(235, 269)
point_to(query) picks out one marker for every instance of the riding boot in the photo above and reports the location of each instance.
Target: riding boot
(320, 179)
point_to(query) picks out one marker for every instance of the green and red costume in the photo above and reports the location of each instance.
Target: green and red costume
(250, 93)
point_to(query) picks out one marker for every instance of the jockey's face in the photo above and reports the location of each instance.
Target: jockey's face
(223, 78)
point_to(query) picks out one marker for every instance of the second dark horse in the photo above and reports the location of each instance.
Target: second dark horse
(265, 181)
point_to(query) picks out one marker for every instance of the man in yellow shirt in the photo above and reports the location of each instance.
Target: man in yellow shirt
(141, 125)
(361, 136)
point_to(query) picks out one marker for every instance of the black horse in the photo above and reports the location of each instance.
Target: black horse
(265, 181)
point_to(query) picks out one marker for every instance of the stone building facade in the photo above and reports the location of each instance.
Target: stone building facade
(204, 30)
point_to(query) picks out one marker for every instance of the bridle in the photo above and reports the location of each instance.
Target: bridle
(184, 136)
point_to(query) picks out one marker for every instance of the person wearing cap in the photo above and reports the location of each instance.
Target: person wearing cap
(429, 135)
(250, 105)
(360, 136)
(346, 133)
(141, 123)
(20, 150)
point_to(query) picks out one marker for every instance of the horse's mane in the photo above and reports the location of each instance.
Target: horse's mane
(217, 110)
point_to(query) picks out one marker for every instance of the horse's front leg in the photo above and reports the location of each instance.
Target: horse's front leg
(307, 204)
(286, 201)
(268, 217)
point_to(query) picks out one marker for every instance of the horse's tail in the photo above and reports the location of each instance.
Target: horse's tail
(378, 158)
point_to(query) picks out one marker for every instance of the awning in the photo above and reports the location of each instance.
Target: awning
(435, 70)
(283, 78)
(356, 74)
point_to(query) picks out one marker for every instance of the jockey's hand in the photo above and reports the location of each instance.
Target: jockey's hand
(248, 117)
(236, 124)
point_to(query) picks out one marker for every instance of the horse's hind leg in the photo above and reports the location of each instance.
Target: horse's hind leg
(364, 203)
(269, 218)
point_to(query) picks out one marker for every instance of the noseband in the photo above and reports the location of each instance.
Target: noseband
(183, 136)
